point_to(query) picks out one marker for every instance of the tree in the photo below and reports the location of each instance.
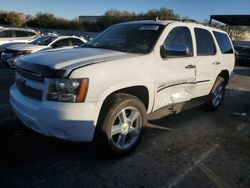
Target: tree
(112, 16)
(47, 20)
(10, 18)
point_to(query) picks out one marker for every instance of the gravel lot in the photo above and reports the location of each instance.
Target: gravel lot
(192, 149)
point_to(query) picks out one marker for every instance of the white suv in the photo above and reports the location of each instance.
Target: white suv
(105, 89)
(9, 35)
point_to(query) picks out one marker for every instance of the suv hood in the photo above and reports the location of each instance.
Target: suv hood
(66, 60)
(22, 47)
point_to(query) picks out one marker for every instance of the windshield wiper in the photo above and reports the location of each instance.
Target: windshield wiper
(110, 47)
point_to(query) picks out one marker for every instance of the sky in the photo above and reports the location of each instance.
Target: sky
(71, 9)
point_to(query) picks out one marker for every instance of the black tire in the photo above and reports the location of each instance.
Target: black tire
(119, 104)
(215, 98)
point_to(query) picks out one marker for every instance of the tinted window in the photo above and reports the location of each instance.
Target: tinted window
(31, 33)
(6, 34)
(61, 43)
(21, 34)
(180, 35)
(204, 42)
(76, 42)
(224, 42)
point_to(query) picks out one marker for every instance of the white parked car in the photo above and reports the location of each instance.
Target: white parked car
(42, 43)
(107, 89)
(11, 34)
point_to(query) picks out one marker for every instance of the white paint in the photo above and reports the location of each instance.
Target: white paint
(109, 71)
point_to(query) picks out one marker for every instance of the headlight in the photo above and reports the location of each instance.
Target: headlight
(25, 52)
(67, 90)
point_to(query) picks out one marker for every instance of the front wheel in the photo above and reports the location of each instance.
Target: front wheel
(123, 124)
(216, 95)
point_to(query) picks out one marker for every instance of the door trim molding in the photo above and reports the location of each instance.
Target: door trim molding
(159, 89)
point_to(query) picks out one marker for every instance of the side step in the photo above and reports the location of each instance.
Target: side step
(176, 108)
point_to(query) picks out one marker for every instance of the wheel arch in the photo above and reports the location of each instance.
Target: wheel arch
(224, 74)
(139, 91)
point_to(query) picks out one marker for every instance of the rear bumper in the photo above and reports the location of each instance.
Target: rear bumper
(68, 121)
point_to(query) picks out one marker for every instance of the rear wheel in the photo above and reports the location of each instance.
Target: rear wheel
(122, 128)
(216, 95)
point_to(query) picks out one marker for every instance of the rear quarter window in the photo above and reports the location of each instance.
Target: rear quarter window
(223, 42)
(76, 42)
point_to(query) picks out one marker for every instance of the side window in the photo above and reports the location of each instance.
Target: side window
(61, 43)
(6, 34)
(180, 35)
(204, 42)
(31, 33)
(223, 42)
(21, 34)
(76, 42)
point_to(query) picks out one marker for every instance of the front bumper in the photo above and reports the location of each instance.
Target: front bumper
(68, 121)
(8, 60)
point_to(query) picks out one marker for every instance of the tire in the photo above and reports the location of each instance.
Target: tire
(216, 95)
(120, 126)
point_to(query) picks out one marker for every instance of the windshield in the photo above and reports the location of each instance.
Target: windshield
(133, 38)
(44, 41)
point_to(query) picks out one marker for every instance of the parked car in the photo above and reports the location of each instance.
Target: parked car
(242, 49)
(9, 35)
(3, 47)
(106, 89)
(42, 43)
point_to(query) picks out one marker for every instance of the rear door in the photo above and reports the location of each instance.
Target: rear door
(208, 61)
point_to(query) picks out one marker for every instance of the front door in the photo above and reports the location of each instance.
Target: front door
(176, 78)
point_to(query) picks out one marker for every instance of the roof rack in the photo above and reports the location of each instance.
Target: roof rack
(188, 20)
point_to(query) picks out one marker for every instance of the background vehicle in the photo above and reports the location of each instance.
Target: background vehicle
(3, 47)
(107, 89)
(8, 35)
(40, 44)
(242, 49)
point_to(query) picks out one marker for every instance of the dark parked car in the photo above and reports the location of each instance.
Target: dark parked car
(242, 49)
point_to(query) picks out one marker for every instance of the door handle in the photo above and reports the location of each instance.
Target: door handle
(190, 66)
(216, 63)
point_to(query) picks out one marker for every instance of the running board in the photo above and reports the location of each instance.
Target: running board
(176, 108)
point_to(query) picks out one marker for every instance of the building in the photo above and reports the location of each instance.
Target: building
(89, 18)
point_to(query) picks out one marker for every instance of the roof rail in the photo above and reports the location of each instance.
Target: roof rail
(188, 20)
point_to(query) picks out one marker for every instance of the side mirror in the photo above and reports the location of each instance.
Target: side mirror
(175, 50)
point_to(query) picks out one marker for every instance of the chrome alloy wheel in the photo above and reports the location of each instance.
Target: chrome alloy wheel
(218, 95)
(126, 128)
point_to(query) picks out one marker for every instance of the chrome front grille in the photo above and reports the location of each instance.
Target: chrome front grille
(30, 84)
(30, 75)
